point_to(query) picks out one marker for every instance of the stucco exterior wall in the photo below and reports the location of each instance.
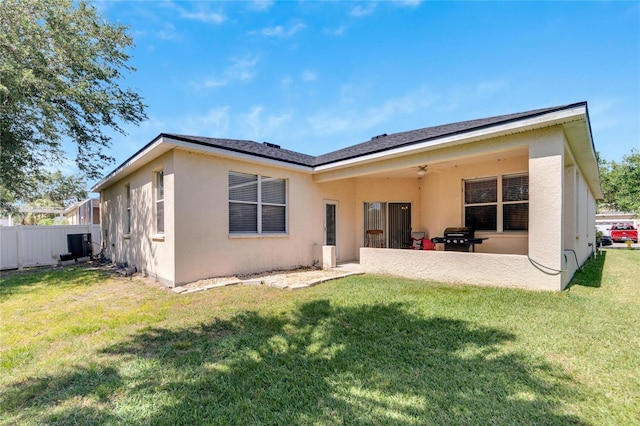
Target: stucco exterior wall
(443, 203)
(204, 247)
(497, 270)
(150, 253)
(388, 191)
(197, 244)
(343, 193)
(579, 221)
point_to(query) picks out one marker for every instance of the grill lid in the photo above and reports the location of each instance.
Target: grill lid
(460, 232)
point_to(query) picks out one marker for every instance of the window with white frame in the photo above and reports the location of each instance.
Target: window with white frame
(159, 201)
(127, 218)
(257, 204)
(498, 203)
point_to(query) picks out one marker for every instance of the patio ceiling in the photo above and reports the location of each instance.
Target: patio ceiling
(410, 171)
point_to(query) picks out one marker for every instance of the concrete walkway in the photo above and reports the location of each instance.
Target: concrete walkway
(284, 280)
(352, 266)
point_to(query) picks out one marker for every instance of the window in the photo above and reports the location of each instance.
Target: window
(127, 218)
(257, 204)
(497, 204)
(159, 196)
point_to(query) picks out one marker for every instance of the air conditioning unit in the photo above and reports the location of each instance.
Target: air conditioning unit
(79, 245)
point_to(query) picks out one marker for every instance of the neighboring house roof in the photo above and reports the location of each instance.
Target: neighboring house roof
(377, 145)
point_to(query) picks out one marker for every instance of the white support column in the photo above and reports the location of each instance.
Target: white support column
(546, 228)
(328, 257)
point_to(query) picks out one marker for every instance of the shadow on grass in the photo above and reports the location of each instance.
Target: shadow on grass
(591, 273)
(317, 365)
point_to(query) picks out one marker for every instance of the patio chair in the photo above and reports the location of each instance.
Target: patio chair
(374, 238)
(416, 240)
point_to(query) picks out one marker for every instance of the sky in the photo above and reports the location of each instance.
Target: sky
(316, 76)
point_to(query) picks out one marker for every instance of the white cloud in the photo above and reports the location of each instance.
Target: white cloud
(309, 75)
(339, 31)
(263, 126)
(338, 121)
(280, 31)
(409, 3)
(255, 124)
(241, 69)
(214, 123)
(362, 10)
(202, 15)
(168, 32)
(261, 5)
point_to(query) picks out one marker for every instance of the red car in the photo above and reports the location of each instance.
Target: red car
(624, 233)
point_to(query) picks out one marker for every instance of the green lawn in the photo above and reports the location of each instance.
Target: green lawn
(78, 347)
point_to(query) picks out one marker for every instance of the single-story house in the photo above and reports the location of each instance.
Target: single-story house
(185, 208)
(85, 212)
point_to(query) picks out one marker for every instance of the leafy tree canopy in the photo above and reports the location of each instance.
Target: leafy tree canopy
(61, 66)
(57, 189)
(621, 183)
(50, 190)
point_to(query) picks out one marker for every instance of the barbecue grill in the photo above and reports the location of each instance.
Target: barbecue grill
(459, 239)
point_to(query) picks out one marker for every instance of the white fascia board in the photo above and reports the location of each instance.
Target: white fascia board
(234, 155)
(164, 144)
(546, 120)
(132, 164)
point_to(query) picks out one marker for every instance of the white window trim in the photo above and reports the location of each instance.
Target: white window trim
(128, 211)
(259, 203)
(499, 203)
(156, 200)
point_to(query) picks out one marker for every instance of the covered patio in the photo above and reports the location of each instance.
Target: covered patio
(527, 188)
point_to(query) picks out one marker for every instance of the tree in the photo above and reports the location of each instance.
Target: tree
(61, 66)
(61, 190)
(621, 183)
(50, 190)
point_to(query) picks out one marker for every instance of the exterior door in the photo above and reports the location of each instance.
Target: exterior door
(390, 222)
(330, 224)
(399, 225)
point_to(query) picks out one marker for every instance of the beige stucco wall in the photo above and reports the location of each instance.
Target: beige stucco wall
(385, 190)
(204, 247)
(561, 222)
(499, 270)
(150, 253)
(579, 220)
(443, 204)
(197, 243)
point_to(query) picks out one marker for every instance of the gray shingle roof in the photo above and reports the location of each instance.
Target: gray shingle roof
(396, 140)
(375, 145)
(248, 147)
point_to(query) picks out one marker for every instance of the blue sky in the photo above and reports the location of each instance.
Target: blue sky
(315, 76)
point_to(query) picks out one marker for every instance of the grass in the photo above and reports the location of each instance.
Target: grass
(80, 347)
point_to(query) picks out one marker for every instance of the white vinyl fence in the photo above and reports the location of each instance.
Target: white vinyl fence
(25, 246)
